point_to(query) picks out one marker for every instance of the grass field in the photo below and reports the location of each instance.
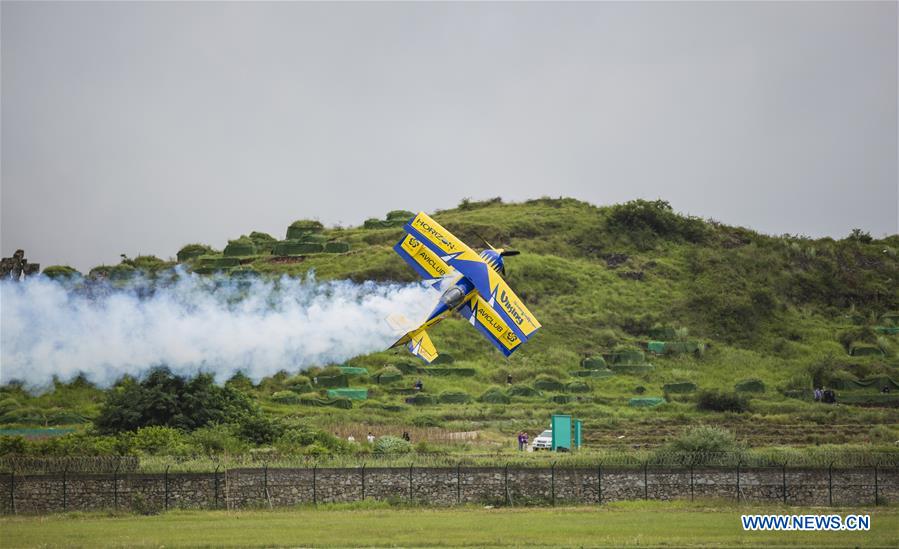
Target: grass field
(706, 524)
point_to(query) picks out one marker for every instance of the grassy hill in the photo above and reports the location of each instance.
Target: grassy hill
(653, 303)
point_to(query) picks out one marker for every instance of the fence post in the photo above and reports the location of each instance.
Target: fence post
(646, 480)
(314, 494)
(363, 481)
(552, 482)
(691, 481)
(215, 493)
(12, 492)
(783, 480)
(876, 488)
(65, 488)
(830, 484)
(165, 480)
(115, 486)
(738, 480)
(410, 483)
(506, 484)
(599, 483)
(459, 483)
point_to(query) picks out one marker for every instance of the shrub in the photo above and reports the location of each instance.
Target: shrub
(60, 272)
(750, 386)
(547, 383)
(494, 396)
(158, 439)
(643, 221)
(259, 429)
(242, 246)
(286, 397)
(392, 445)
(717, 401)
(193, 251)
(14, 444)
(217, 439)
(704, 439)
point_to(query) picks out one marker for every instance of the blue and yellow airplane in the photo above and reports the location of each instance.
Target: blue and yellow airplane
(476, 290)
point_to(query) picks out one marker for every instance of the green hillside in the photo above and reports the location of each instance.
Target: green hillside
(652, 322)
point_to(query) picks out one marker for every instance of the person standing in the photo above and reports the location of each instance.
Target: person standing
(371, 438)
(520, 441)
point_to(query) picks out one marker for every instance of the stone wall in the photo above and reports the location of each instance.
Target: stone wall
(443, 486)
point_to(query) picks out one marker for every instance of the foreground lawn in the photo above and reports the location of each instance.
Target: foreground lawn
(712, 524)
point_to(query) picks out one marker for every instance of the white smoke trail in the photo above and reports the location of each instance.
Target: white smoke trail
(193, 323)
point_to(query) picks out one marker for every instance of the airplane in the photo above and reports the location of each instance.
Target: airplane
(475, 289)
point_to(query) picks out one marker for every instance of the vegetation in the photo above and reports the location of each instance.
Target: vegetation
(781, 314)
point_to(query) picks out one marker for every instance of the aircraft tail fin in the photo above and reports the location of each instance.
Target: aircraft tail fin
(419, 344)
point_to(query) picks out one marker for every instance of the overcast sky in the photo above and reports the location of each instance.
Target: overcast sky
(136, 128)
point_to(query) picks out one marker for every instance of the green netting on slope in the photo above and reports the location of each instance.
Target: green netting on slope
(523, 391)
(407, 367)
(672, 347)
(454, 397)
(240, 247)
(885, 400)
(286, 397)
(679, 387)
(627, 356)
(861, 349)
(192, 251)
(561, 399)
(890, 319)
(632, 368)
(353, 370)
(547, 384)
(217, 262)
(464, 372)
(595, 374)
(494, 396)
(877, 383)
(889, 330)
(352, 394)
(382, 224)
(344, 403)
(421, 400)
(332, 381)
(336, 247)
(594, 363)
(645, 402)
(296, 247)
(300, 388)
(444, 358)
(750, 386)
(662, 332)
(303, 227)
(577, 387)
(388, 374)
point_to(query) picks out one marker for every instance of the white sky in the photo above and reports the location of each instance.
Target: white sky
(138, 127)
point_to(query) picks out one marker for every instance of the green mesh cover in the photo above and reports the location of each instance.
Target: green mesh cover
(873, 383)
(633, 369)
(286, 397)
(240, 248)
(382, 224)
(494, 396)
(296, 247)
(336, 247)
(454, 397)
(344, 403)
(523, 391)
(679, 387)
(662, 332)
(645, 402)
(354, 370)
(750, 386)
(444, 358)
(388, 374)
(303, 227)
(548, 385)
(421, 400)
(860, 349)
(193, 251)
(352, 394)
(890, 319)
(595, 374)
(332, 381)
(561, 399)
(463, 372)
(407, 367)
(577, 387)
(889, 330)
(594, 363)
(672, 347)
(301, 388)
(217, 262)
(627, 356)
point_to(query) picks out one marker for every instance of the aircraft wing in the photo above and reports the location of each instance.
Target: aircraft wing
(482, 316)
(487, 281)
(425, 261)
